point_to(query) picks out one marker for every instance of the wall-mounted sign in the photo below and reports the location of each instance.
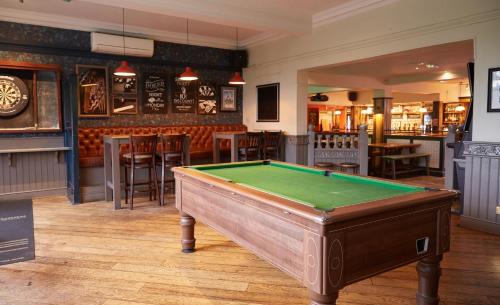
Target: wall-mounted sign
(124, 105)
(92, 91)
(155, 94)
(184, 100)
(228, 98)
(207, 101)
(17, 241)
(124, 84)
(14, 95)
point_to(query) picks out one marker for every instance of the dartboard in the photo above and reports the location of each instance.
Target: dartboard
(14, 95)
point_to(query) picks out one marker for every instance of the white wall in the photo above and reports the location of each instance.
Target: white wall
(400, 26)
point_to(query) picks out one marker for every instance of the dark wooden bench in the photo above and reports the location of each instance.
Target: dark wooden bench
(410, 168)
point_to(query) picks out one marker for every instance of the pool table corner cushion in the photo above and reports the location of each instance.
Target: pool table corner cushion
(325, 250)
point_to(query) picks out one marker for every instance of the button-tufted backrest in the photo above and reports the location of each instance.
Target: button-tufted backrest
(90, 140)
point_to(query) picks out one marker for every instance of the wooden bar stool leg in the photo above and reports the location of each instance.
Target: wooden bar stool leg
(150, 189)
(132, 181)
(126, 186)
(393, 163)
(383, 167)
(427, 161)
(155, 180)
(162, 190)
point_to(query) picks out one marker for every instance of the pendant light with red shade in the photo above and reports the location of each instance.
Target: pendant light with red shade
(124, 69)
(237, 79)
(188, 74)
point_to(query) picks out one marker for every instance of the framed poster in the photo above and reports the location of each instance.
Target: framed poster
(207, 102)
(185, 93)
(229, 98)
(92, 91)
(155, 95)
(268, 103)
(124, 84)
(124, 105)
(494, 90)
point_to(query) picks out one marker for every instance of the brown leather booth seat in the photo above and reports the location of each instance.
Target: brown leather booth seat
(91, 147)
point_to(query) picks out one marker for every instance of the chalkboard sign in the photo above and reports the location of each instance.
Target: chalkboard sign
(207, 101)
(17, 241)
(155, 94)
(268, 102)
(185, 93)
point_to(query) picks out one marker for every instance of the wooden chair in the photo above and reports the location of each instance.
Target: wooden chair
(141, 155)
(271, 146)
(251, 146)
(171, 154)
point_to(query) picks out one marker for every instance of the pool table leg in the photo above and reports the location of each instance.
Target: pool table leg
(319, 299)
(187, 231)
(428, 280)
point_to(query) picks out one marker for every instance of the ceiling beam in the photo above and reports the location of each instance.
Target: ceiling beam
(236, 13)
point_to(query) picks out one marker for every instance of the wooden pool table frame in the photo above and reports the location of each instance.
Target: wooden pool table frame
(326, 251)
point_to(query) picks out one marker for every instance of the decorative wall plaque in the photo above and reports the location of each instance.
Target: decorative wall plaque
(124, 84)
(155, 94)
(92, 91)
(14, 95)
(207, 101)
(184, 100)
(229, 98)
(124, 105)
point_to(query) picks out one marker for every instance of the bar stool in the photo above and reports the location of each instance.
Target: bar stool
(324, 165)
(171, 154)
(271, 144)
(251, 146)
(141, 155)
(351, 167)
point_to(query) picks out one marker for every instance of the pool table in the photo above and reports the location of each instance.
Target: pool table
(326, 229)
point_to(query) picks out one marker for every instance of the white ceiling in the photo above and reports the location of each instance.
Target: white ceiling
(212, 22)
(449, 60)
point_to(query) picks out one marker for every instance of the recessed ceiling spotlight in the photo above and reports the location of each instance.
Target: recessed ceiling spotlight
(417, 68)
(431, 66)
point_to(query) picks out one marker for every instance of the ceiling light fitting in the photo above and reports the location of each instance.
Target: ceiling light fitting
(124, 69)
(237, 79)
(188, 74)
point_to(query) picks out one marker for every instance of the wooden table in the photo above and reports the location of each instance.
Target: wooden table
(324, 244)
(377, 150)
(385, 148)
(233, 136)
(112, 184)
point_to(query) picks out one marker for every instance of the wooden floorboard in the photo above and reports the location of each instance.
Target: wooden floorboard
(91, 254)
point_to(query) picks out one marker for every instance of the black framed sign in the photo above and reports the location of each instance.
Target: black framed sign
(229, 98)
(124, 84)
(124, 105)
(185, 93)
(268, 103)
(494, 90)
(207, 101)
(155, 95)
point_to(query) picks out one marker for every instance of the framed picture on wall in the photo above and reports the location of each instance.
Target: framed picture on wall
(124, 105)
(92, 91)
(494, 90)
(207, 101)
(268, 103)
(229, 98)
(155, 93)
(124, 84)
(185, 95)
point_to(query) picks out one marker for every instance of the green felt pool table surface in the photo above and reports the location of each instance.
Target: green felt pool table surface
(307, 186)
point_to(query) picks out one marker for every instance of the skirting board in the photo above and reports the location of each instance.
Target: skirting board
(479, 225)
(32, 194)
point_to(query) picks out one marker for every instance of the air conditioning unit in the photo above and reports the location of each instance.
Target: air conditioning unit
(113, 44)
